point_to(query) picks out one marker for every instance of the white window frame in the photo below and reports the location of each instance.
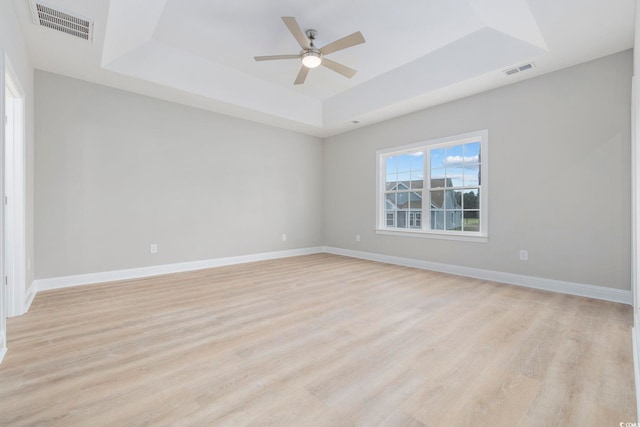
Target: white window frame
(471, 236)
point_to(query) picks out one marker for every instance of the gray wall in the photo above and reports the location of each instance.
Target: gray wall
(559, 173)
(117, 171)
(12, 41)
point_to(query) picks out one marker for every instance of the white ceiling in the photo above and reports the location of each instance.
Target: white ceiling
(418, 53)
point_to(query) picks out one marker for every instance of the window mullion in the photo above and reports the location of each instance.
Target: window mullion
(426, 195)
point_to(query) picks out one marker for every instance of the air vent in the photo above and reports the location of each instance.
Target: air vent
(52, 17)
(519, 69)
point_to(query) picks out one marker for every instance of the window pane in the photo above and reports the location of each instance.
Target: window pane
(437, 199)
(471, 175)
(453, 220)
(437, 157)
(471, 198)
(404, 178)
(437, 178)
(472, 153)
(437, 219)
(391, 219)
(471, 221)
(454, 177)
(417, 161)
(417, 183)
(403, 200)
(401, 217)
(415, 200)
(390, 201)
(391, 180)
(453, 199)
(391, 165)
(454, 156)
(416, 220)
(404, 163)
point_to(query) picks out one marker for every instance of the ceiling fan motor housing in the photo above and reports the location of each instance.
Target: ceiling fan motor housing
(311, 34)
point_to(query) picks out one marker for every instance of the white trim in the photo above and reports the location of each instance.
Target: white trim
(3, 289)
(3, 349)
(636, 363)
(584, 290)
(579, 289)
(461, 138)
(157, 270)
(635, 199)
(15, 190)
(461, 237)
(30, 295)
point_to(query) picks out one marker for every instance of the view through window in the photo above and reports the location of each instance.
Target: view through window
(435, 187)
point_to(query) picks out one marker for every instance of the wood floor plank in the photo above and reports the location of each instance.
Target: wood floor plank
(318, 340)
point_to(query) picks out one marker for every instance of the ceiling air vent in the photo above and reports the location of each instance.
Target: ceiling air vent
(52, 17)
(519, 69)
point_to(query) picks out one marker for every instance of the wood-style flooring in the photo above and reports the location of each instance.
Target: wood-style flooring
(318, 340)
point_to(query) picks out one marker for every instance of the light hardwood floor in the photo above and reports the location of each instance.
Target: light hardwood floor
(319, 340)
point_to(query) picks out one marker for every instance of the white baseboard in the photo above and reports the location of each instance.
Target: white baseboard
(157, 270)
(31, 294)
(584, 290)
(590, 291)
(3, 352)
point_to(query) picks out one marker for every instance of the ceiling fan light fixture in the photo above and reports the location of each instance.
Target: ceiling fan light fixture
(311, 56)
(311, 59)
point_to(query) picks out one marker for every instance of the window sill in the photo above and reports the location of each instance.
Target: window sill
(433, 235)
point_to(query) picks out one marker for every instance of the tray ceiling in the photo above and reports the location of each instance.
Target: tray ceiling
(418, 53)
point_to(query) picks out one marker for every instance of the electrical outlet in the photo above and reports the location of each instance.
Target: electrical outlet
(357, 237)
(153, 248)
(524, 255)
(284, 237)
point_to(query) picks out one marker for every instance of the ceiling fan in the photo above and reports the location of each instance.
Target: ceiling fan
(311, 56)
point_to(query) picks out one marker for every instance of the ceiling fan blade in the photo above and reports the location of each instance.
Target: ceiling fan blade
(343, 43)
(272, 57)
(297, 32)
(302, 75)
(338, 68)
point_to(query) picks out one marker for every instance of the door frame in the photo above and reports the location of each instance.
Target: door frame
(3, 288)
(15, 190)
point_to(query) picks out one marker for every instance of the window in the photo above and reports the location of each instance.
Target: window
(443, 181)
